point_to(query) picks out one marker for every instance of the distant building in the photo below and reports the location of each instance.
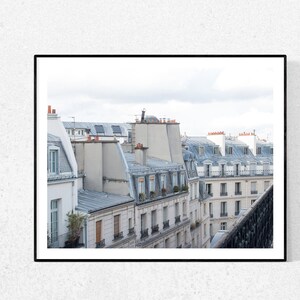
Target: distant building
(236, 171)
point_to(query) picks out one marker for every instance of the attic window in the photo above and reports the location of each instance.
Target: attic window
(246, 150)
(99, 129)
(258, 150)
(201, 150)
(229, 150)
(116, 129)
(271, 151)
(216, 150)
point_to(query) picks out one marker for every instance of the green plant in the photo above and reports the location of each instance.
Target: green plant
(164, 191)
(75, 221)
(175, 189)
(152, 194)
(141, 196)
(185, 188)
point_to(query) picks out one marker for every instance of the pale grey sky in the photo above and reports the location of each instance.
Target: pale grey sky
(202, 94)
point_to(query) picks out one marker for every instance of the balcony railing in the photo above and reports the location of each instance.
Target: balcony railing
(234, 174)
(223, 194)
(253, 192)
(144, 233)
(166, 224)
(118, 236)
(100, 244)
(238, 193)
(154, 229)
(177, 219)
(223, 214)
(131, 231)
(254, 228)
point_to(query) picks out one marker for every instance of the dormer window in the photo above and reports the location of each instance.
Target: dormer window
(54, 160)
(99, 129)
(163, 181)
(246, 150)
(229, 150)
(201, 150)
(258, 151)
(207, 170)
(152, 183)
(216, 150)
(175, 183)
(141, 185)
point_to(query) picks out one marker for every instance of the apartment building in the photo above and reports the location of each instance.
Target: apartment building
(236, 172)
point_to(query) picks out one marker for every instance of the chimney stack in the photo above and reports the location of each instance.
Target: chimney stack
(140, 154)
(218, 137)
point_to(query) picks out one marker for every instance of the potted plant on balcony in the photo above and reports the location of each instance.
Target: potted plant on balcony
(164, 191)
(175, 189)
(75, 221)
(185, 188)
(152, 194)
(141, 196)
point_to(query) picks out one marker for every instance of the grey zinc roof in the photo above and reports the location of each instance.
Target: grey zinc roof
(64, 163)
(152, 164)
(194, 143)
(91, 201)
(92, 127)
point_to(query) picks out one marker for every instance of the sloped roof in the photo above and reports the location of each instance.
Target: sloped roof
(93, 127)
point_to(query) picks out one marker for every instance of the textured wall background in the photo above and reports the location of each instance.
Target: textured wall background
(99, 27)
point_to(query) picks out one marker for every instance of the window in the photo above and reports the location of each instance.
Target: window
(116, 225)
(245, 150)
(223, 226)
(253, 187)
(208, 188)
(216, 150)
(175, 183)
(207, 170)
(99, 129)
(116, 129)
(130, 223)
(238, 188)
(258, 151)
(54, 162)
(204, 230)
(201, 150)
(204, 209)
(98, 231)
(165, 213)
(252, 169)
(153, 218)
(163, 181)
(141, 185)
(182, 179)
(266, 184)
(237, 207)
(223, 189)
(184, 208)
(271, 151)
(222, 170)
(129, 136)
(178, 240)
(143, 222)
(237, 170)
(252, 201)
(152, 183)
(54, 221)
(229, 150)
(211, 213)
(223, 209)
(167, 243)
(176, 209)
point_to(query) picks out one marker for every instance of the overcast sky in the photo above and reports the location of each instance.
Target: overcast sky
(202, 94)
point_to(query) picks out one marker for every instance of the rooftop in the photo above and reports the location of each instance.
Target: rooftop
(91, 201)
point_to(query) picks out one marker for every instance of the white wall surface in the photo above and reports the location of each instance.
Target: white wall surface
(183, 27)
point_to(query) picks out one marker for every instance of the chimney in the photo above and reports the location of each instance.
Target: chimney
(218, 137)
(143, 115)
(49, 109)
(249, 138)
(140, 154)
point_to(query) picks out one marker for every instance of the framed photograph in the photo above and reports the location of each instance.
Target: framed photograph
(160, 158)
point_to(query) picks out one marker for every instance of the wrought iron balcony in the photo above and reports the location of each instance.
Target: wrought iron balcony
(154, 229)
(177, 219)
(100, 244)
(166, 224)
(131, 231)
(118, 235)
(223, 214)
(223, 194)
(253, 192)
(238, 193)
(254, 229)
(144, 233)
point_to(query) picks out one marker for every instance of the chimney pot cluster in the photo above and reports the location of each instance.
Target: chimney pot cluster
(51, 110)
(216, 133)
(246, 133)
